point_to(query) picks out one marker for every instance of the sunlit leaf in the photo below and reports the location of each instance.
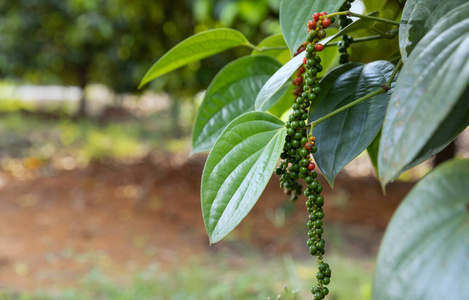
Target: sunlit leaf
(274, 41)
(238, 169)
(195, 48)
(295, 14)
(232, 92)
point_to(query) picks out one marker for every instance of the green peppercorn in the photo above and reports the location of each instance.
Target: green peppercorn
(319, 200)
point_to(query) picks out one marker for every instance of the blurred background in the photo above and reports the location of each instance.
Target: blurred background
(99, 198)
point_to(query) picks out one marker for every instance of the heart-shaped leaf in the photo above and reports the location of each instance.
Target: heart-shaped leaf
(424, 253)
(195, 48)
(274, 41)
(432, 81)
(344, 136)
(418, 17)
(231, 93)
(238, 169)
(295, 14)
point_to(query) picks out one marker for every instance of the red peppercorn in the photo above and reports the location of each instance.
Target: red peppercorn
(311, 166)
(301, 70)
(297, 91)
(323, 13)
(305, 60)
(311, 24)
(326, 22)
(299, 80)
(308, 145)
(316, 17)
(318, 47)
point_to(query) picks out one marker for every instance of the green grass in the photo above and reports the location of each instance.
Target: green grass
(25, 136)
(255, 278)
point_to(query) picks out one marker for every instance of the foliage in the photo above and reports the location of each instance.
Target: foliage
(427, 109)
(113, 41)
(259, 280)
(31, 137)
(435, 217)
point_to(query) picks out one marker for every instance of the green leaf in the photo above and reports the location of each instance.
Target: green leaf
(372, 150)
(277, 41)
(372, 5)
(231, 93)
(295, 14)
(449, 129)
(195, 48)
(238, 169)
(432, 81)
(284, 104)
(283, 94)
(424, 253)
(347, 134)
(327, 83)
(418, 17)
(278, 80)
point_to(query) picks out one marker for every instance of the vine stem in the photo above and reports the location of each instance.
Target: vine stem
(394, 72)
(383, 89)
(352, 14)
(358, 40)
(347, 106)
(253, 47)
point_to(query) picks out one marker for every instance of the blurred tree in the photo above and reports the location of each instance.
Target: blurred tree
(114, 42)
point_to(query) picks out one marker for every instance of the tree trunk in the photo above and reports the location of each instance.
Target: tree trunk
(82, 107)
(81, 112)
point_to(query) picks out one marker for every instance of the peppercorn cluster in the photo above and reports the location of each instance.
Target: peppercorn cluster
(297, 152)
(344, 44)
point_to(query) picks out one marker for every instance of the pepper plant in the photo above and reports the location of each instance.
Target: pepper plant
(300, 103)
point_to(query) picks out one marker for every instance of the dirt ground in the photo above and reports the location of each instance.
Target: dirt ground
(54, 229)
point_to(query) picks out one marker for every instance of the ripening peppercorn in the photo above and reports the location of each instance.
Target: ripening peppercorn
(316, 16)
(318, 47)
(321, 33)
(326, 22)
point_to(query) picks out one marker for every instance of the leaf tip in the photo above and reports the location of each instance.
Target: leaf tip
(141, 85)
(330, 181)
(383, 184)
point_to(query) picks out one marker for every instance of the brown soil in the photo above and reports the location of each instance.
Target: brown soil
(54, 229)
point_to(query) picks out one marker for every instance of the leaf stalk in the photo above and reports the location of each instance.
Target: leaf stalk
(383, 89)
(352, 14)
